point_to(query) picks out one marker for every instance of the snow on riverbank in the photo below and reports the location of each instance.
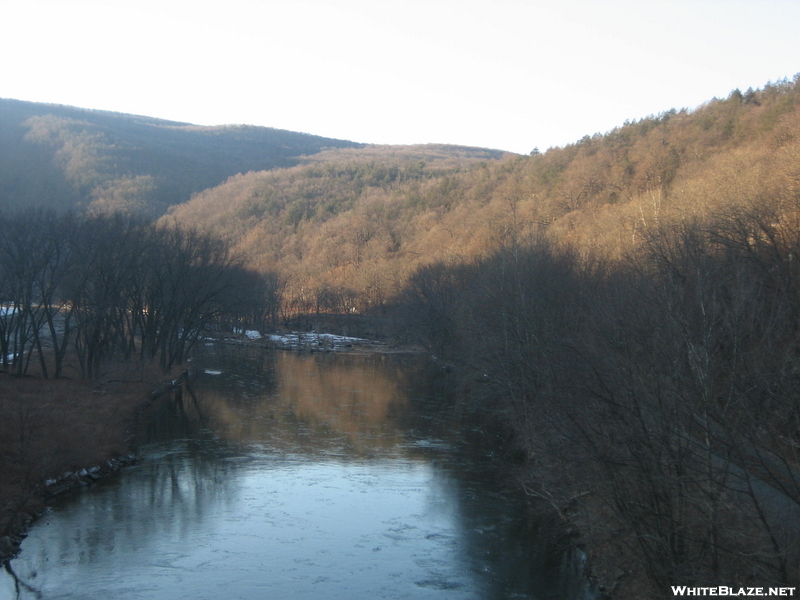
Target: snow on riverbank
(313, 342)
(318, 341)
(306, 341)
(250, 334)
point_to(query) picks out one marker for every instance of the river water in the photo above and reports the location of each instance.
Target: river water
(286, 475)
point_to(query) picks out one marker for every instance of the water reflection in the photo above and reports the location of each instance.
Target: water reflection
(317, 403)
(291, 476)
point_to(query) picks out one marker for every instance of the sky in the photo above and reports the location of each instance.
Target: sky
(507, 74)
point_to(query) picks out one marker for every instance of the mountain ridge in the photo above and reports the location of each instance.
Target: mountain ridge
(68, 157)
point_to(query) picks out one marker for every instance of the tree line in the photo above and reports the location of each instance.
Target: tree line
(653, 398)
(106, 288)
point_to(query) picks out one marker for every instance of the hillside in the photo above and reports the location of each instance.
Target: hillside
(65, 157)
(348, 227)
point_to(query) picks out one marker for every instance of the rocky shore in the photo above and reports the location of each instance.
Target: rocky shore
(69, 480)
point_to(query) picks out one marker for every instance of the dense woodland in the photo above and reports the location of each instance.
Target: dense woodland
(627, 308)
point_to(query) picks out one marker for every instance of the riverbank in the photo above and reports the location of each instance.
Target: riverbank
(60, 434)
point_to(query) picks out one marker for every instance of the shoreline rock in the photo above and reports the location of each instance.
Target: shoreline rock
(72, 479)
(68, 481)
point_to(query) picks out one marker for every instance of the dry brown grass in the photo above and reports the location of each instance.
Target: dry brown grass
(49, 427)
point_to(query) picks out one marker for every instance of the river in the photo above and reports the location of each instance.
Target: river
(286, 475)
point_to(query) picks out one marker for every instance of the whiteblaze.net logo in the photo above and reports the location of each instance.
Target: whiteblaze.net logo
(731, 592)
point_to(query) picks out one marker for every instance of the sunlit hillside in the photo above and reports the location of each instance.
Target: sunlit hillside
(346, 228)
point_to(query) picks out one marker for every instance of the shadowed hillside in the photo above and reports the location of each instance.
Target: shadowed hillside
(64, 157)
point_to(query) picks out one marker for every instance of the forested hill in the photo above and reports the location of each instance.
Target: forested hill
(65, 157)
(348, 228)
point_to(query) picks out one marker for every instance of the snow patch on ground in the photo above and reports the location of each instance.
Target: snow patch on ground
(325, 341)
(293, 340)
(252, 334)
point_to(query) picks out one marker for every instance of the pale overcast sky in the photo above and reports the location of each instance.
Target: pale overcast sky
(504, 74)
